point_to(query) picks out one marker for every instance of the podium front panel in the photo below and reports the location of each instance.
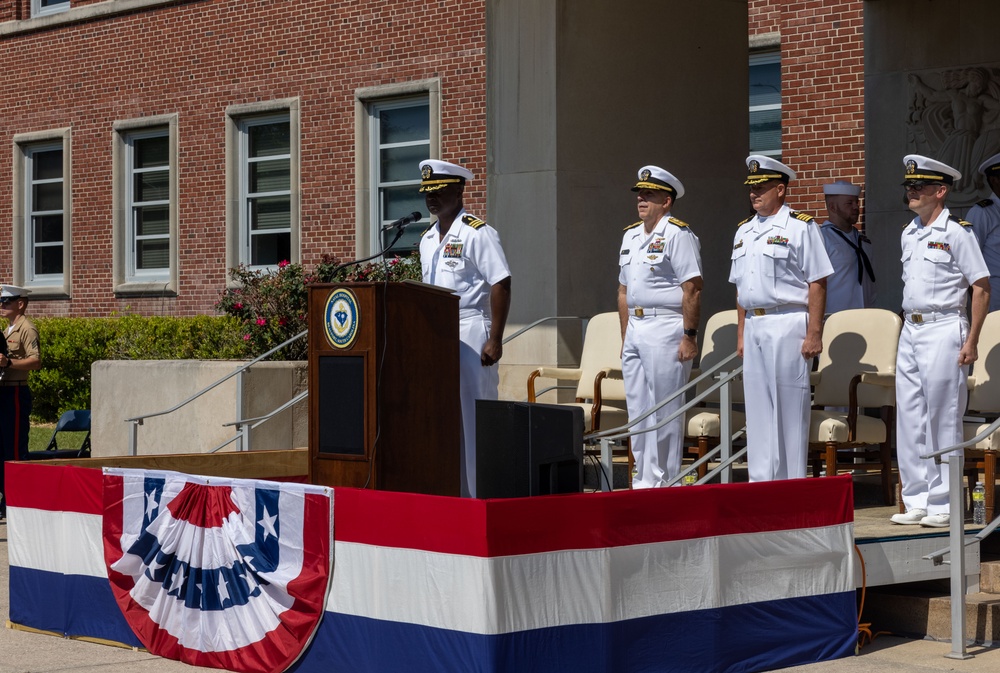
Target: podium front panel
(341, 417)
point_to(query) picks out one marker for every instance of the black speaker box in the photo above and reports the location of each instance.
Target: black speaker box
(527, 449)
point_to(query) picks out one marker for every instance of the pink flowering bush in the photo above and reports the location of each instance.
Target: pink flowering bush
(271, 306)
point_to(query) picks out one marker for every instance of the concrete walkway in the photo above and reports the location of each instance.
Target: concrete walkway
(22, 652)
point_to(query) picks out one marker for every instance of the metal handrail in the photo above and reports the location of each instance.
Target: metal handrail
(136, 421)
(957, 540)
(539, 322)
(722, 383)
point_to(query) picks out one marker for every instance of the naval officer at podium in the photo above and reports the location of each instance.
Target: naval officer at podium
(463, 253)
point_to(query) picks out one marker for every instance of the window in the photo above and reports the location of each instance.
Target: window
(399, 125)
(145, 214)
(44, 7)
(262, 184)
(400, 140)
(41, 208)
(765, 104)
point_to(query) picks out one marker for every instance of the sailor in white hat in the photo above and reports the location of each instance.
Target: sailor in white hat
(21, 356)
(985, 219)
(659, 302)
(941, 261)
(852, 284)
(463, 253)
(779, 267)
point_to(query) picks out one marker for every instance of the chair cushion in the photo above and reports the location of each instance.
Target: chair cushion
(831, 426)
(992, 442)
(611, 416)
(706, 423)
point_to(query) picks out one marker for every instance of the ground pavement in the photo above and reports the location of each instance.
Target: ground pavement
(22, 652)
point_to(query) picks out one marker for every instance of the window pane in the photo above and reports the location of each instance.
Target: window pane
(269, 249)
(48, 260)
(152, 186)
(404, 124)
(399, 202)
(152, 254)
(47, 196)
(410, 240)
(270, 176)
(150, 152)
(402, 163)
(48, 228)
(765, 84)
(47, 165)
(152, 220)
(765, 131)
(270, 213)
(269, 139)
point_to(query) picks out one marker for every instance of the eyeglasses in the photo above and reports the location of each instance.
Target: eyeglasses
(918, 185)
(7, 300)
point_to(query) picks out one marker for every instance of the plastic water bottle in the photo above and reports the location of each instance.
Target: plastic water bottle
(689, 479)
(979, 504)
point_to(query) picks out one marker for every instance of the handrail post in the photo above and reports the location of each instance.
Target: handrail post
(956, 463)
(133, 437)
(607, 466)
(241, 443)
(725, 429)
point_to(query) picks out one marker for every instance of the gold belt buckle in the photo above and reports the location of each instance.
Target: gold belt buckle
(916, 318)
(759, 311)
(638, 312)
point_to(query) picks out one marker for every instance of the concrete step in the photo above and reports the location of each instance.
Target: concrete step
(923, 610)
(989, 576)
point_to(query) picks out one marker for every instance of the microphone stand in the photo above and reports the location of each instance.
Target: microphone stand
(399, 234)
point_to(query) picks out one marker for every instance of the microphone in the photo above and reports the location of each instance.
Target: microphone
(403, 221)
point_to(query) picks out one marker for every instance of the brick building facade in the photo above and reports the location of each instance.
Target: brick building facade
(87, 83)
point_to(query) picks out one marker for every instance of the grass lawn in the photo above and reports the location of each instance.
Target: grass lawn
(39, 436)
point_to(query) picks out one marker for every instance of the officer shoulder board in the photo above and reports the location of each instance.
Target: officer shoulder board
(802, 216)
(424, 232)
(959, 220)
(745, 221)
(473, 221)
(679, 223)
(632, 226)
(985, 203)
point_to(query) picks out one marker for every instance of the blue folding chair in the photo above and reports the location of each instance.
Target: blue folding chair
(76, 420)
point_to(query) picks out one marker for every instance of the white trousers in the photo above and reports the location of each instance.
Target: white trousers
(476, 382)
(776, 388)
(652, 371)
(931, 394)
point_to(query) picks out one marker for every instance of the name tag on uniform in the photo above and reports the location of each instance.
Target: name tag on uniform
(656, 246)
(624, 252)
(738, 245)
(937, 245)
(453, 249)
(777, 240)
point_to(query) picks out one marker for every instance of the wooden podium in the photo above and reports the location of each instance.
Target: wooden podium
(384, 409)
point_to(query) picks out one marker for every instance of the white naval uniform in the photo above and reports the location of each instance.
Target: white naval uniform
(653, 267)
(940, 262)
(985, 220)
(468, 260)
(843, 291)
(773, 262)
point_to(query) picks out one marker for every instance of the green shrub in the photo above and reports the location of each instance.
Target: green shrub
(71, 345)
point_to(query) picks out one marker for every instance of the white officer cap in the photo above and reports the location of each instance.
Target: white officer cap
(991, 166)
(654, 177)
(762, 169)
(841, 187)
(435, 175)
(12, 292)
(924, 169)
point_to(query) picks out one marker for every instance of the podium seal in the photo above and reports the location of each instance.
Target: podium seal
(341, 318)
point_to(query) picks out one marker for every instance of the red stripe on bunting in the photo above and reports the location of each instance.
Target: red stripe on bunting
(54, 488)
(591, 520)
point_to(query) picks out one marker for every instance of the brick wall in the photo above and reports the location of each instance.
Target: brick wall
(822, 96)
(195, 60)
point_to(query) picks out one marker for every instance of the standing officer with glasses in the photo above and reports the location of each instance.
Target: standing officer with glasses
(15, 398)
(941, 260)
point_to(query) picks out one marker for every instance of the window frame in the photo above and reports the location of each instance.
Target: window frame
(37, 9)
(767, 57)
(368, 100)
(127, 281)
(238, 237)
(55, 286)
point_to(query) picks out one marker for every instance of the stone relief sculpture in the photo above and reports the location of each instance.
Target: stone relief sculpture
(956, 119)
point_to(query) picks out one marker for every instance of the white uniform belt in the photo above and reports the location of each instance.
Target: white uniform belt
(643, 312)
(918, 317)
(469, 313)
(786, 308)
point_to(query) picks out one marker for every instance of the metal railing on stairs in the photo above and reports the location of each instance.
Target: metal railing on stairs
(722, 381)
(243, 425)
(957, 539)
